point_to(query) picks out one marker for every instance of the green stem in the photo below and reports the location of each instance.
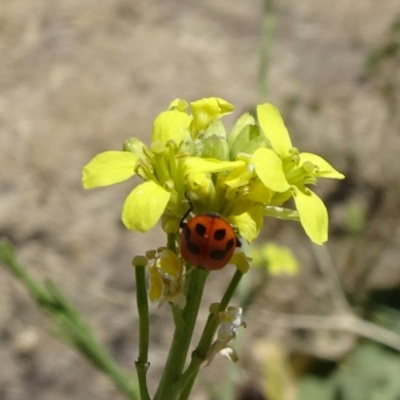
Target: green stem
(187, 379)
(142, 363)
(171, 242)
(182, 335)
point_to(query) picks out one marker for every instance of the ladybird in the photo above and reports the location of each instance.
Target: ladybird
(207, 241)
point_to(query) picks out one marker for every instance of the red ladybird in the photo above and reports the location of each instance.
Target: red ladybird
(207, 241)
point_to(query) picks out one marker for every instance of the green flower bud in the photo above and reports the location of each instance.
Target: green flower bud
(217, 128)
(191, 147)
(215, 147)
(248, 141)
(245, 119)
(134, 145)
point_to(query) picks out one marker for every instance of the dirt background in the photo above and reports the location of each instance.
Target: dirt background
(79, 77)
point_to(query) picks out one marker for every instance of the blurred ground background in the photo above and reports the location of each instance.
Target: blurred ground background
(79, 77)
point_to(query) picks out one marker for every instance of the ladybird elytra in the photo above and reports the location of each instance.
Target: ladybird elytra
(207, 241)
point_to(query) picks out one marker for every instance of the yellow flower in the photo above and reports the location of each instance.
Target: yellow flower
(276, 259)
(163, 165)
(300, 169)
(244, 176)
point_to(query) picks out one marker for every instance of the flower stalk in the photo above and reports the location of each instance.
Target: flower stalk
(199, 355)
(142, 363)
(168, 389)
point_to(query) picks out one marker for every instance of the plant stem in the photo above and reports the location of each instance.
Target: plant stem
(167, 390)
(200, 354)
(142, 363)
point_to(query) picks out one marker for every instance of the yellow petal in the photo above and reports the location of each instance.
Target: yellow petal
(209, 165)
(205, 111)
(199, 185)
(325, 169)
(313, 215)
(144, 206)
(239, 177)
(249, 223)
(276, 259)
(268, 166)
(171, 125)
(179, 104)
(274, 129)
(108, 168)
(156, 286)
(259, 192)
(169, 265)
(241, 261)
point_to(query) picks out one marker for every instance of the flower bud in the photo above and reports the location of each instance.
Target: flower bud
(200, 189)
(139, 261)
(247, 141)
(134, 145)
(215, 147)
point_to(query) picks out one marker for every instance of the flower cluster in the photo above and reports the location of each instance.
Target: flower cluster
(243, 176)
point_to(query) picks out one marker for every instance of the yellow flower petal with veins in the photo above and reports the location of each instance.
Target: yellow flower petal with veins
(156, 285)
(239, 176)
(179, 104)
(108, 168)
(274, 129)
(249, 223)
(197, 164)
(325, 169)
(169, 265)
(171, 125)
(313, 215)
(144, 206)
(206, 111)
(268, 166)
(259, 192)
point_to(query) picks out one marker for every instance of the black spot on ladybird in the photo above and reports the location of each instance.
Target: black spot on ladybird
(220, 234)
(217, 254)
(192, 247)
(200, 230)
(229, 244)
